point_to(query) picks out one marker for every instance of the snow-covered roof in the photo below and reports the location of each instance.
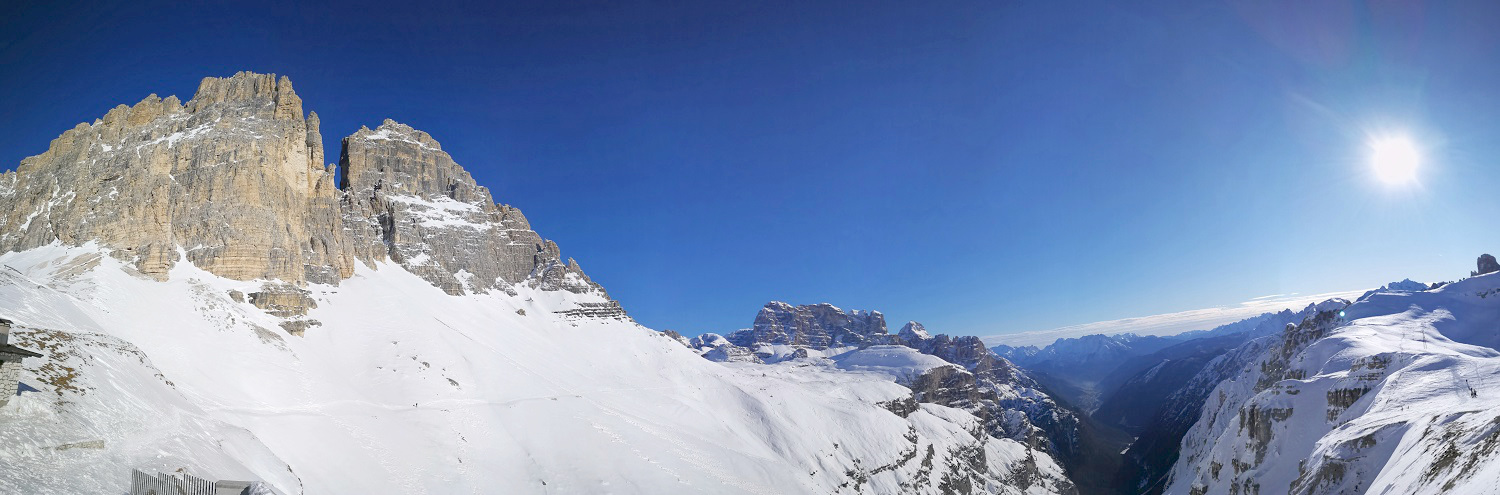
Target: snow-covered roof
(8, 351)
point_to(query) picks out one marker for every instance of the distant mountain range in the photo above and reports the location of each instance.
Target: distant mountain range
(1169, 324)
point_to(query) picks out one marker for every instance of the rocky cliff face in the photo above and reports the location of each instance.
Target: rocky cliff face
(1487, 265)
(406, 199)
(234, 182)
(817, 325)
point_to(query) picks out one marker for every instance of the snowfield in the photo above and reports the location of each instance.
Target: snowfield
(896, 361)
(406, 389)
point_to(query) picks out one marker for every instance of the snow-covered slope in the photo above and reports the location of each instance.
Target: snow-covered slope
(407, 389)
(1399, 395)
(897, 361)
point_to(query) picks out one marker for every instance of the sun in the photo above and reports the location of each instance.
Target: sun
(1395, 160)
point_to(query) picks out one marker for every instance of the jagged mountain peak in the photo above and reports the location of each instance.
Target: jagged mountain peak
(395, 157)
(395, 131)
(402, 192)
(234, 182)
(913, 331)
(262, 95)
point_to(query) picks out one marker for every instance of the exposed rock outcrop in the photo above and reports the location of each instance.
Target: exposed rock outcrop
(1487, 264)
(950, 386)
(282, 300)
(1011, 403)
(607, 309)
(297, 328)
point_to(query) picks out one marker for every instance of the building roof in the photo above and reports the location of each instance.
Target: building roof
(10, 349)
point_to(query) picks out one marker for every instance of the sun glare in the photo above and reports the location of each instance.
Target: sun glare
(1395, 160)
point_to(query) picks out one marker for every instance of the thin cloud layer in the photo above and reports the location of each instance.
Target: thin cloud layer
(1170, 323)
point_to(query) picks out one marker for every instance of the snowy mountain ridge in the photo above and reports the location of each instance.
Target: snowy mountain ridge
(1393, 395)
(210, 298)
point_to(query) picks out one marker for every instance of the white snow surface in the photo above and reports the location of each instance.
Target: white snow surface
(442, 211)
(896, 361)
(389, 134)
(775, 353)
(1402, 398)
(405, 389)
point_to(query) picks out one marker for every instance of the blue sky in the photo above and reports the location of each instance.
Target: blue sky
(982, 167)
